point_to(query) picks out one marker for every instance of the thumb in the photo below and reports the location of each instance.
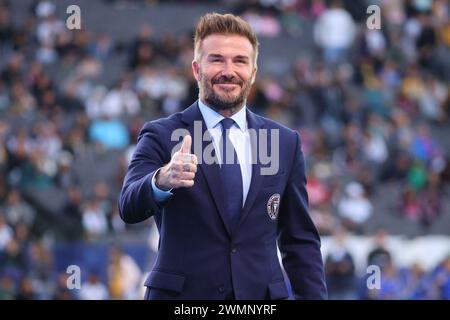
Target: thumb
(186, 146)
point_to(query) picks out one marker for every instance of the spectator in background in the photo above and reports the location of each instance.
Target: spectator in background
(379, 255)
(19, 146)
(7, 287)
(416, 283)
(392, 285)
(431, 201)
(42, 270)
(142, 48)
(340, 270)
(94, 102)
(72, 215)
(424, 147)
(95, 223)
(23, 103)
(50, 144)
(375, 148)
(46, 54)
(103, 196)
(13, 69)
(124, 275)
(319, 194)
(18, 211)
(70, 101)
(26, 291)
(49, 27)
(443, 280)
(61, 291)
(4, 130)
(263, 23)
(6, 232)
(431, 101)
(166, 87)
(37, 171)
(323, 219)
(410, 205)
(65, 174)
(334, 32)
(318, 190)
(354, 208)
(93, 288)
(120, 101)
(102, 47)
(14, 260)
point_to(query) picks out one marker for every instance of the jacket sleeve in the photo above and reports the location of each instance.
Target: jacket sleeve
(298, 239)
(136, 200)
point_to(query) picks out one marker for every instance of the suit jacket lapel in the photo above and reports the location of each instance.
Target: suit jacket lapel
(210, 171)
(255, 124)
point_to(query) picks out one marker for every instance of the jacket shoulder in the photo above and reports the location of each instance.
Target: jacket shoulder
(162, 126)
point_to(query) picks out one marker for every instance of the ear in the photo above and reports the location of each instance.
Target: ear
(255, 69)
(196, 69)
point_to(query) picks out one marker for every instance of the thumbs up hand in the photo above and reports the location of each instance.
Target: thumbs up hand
(180, 171)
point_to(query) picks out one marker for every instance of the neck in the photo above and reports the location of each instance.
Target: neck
(227, 113)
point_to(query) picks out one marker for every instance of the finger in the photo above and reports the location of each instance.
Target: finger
(177, 166)
(194, 159)
(186, 146)
(189, 167)
(187, 176)
(186, 183)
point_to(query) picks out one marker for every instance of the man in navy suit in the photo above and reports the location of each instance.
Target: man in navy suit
(219, 208)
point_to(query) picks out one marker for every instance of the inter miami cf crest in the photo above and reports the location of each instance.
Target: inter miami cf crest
(273, 206)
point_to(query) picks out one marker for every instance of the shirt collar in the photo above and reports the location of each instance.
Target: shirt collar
(212, 118)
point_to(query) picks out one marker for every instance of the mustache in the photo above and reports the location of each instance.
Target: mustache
(227, 80)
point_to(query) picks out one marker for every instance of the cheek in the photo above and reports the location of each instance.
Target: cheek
(246, 78)
(246, 75)
(202, 76)
(207, 75)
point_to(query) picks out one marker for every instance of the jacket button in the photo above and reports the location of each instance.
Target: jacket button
(233, 250)
(221, 289)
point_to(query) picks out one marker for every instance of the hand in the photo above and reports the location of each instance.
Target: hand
(180, 171)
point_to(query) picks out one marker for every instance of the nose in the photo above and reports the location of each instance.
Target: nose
(227, 70)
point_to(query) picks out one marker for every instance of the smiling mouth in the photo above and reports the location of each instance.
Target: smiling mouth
(227, 85)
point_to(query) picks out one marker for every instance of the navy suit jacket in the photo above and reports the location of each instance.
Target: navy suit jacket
(201, 256)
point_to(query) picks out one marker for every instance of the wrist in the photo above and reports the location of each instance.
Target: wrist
(158, 182)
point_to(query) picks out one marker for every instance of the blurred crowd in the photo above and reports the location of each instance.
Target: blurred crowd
(367, 102)
(383, 278)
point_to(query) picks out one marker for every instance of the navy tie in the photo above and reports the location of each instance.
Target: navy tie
(231, 173)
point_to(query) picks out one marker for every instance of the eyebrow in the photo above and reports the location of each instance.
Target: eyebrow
(216, 55)
(241, 57)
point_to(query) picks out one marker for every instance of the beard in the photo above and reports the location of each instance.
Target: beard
(226, 100)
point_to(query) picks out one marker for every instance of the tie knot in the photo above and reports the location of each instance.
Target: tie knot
(227, 123)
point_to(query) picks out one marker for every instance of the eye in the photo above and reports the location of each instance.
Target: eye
(215, 59)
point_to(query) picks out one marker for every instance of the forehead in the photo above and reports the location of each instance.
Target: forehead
(227, 45)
